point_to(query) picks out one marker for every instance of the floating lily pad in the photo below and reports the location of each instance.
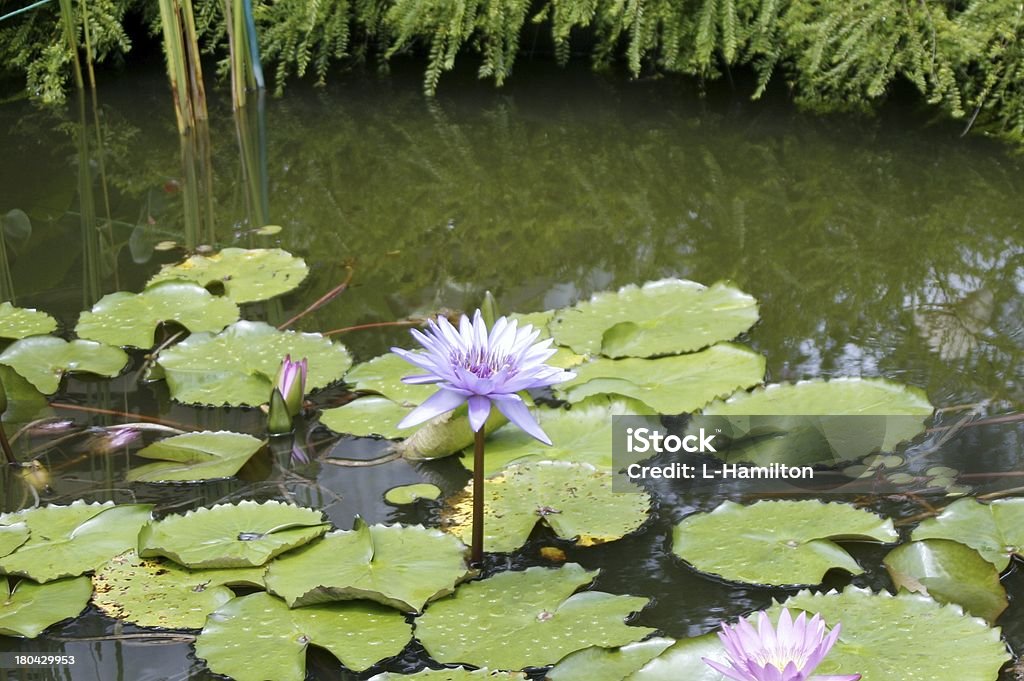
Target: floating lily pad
(949, 572)
(42, 360)
(31, 607)
(670, 385)
(582, 434)
(603, 664)
(67, 541)
(776, 542)
(20, 322)
(196, 456)
(685, 660)
(402, 567)
(161, 593)
(131, 319)
(238, 365)
(259, 637)
(564, 358)
(24, 401)
(12, 535)
(384, 375)
(995, 530)
(900, 412)
(573, 499)
(530, 619)
(452, 674)
(245, 534)
(410, 494)
(247, 275)
(366, 417)
(666, 317)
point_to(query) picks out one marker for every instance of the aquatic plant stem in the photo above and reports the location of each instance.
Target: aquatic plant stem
(123, 414)
(322, 300)
(477, 551)
(6, 445)
(375, 325)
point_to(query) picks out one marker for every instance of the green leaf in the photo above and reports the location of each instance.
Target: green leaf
(410, 494)
(366, 417)
(684, 660)
(12, 534)
(582, 434)
(531, 619)
(995, 530)
(670, 385)
(401, 567)
(452, 674)
(949, 572)
(259, 637)
(24, 402)
(196, 456)
(161, 593)
(42, 360)
(247, 275)
(245, 534)
(19, 322)
(574, 499)
(602, 664)
(67, 541)
(131, 319)
(237, 366)
(32, 607)
(384, 375)
(776, 542)
(666, 317)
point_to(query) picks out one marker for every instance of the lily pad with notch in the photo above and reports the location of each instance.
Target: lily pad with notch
(246, 534)
(259, 637)
(666, 317)
(43, 360)
(246, 275)
(197, 456)
(384, 375)
(31, 608)
(995, 530)
(131, 319)
(573, 499)
(777, 543)
(404, 567)
(531, 619)
(367, 416)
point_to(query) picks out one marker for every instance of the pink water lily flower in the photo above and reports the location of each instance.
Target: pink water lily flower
(481, 368)
(789, 653)
(291, 383)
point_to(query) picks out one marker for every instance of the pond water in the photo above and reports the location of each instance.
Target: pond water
(885, 246)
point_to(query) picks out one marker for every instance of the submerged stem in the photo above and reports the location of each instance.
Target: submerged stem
(6, 445)
(477, 551)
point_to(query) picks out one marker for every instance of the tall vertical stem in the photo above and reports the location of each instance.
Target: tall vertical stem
(477, 551)
(88, 44)
(71, 36)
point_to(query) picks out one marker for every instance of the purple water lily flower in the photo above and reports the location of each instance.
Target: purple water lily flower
(789, 653)
(291, 383)
(470, 365)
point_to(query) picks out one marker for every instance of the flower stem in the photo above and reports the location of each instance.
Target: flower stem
(477, 551)
(6, 446)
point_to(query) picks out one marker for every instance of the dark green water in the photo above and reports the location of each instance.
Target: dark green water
(877, 247)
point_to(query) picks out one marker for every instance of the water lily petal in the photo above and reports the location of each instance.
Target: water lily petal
(439, 403)
(479, 410)
(513, 407)
(726, 671)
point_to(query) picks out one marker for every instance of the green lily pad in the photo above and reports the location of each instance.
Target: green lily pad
(31, 607)
(410, 494)
(666, 317)
(245, 534)
(131, 319)
(20, 322)
(196, 456)
(237, 366)
(776, 542)
(402, 567)
(573, 499)
(366, 417)
(670, 385)
(384, 375)
(259, 637)
(42, 360)
(582, 434)
(161, 593)
(685, 660)
(12, 535)
(530, 619)
(603, 664)
(452, 674)
(949, 572)
(24, 401)
(995, 530)
(67, 541)
(564, 358)
(247, 275)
